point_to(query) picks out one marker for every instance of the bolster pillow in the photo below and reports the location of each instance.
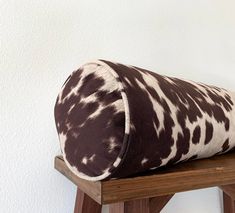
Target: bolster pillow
(115, 120)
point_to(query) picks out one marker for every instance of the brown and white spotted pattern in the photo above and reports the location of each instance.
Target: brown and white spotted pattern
(115, 120)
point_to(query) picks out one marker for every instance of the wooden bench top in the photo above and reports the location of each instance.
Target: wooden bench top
(215, 171)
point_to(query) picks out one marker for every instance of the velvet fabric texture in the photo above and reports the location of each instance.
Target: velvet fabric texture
(115, 120)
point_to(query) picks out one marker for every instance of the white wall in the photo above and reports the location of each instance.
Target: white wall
(43, 41)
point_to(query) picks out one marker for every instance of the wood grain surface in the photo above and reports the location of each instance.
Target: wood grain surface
(214, 171)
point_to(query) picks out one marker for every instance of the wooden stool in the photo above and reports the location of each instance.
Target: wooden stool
(150, 193)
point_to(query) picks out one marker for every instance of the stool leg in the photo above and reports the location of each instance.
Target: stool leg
(228, 204)
(158, 203)
(228, 198)
(147, 205)
(85, 204)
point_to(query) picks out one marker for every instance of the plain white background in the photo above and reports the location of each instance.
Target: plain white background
(42, 42)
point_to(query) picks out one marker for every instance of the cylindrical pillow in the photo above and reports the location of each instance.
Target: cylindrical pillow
(115, 120)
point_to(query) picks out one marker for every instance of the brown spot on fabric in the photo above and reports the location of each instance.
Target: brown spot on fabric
(106, 97)
(227, 124)
(71, 82)
(219, 99)
(209, 132)
(196, 135)
(228, 98)
(91, 107)
(225, 146)
(88, 89)
(182, 146)
(165, 136)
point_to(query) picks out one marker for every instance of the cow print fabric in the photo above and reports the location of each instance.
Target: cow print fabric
(115, 120)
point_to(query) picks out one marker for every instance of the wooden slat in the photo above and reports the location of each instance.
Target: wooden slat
(215, 171)
(219, 170)
(136, 206)
(146, 205)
